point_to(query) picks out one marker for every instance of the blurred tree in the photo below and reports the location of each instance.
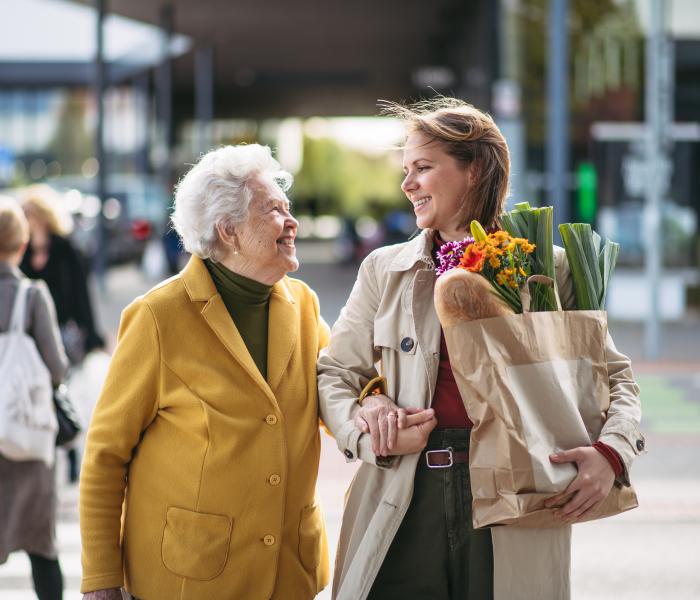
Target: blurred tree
(340, 180)
(71, 143)
(604, 57)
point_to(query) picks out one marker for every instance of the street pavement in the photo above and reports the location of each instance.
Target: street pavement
(649, 553)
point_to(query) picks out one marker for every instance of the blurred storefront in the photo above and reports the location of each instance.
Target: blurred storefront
(182, 80)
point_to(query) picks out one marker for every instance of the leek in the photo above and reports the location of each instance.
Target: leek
(591, 266)
(535, 225)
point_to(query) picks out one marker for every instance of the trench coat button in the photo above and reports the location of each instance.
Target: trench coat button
(269, 540)
(271, 419)
(407, 344)
(348, 454)
(640, 444)
(274, 479)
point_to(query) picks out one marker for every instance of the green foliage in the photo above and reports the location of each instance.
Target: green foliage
(344, 180)
(71, 143)
(584, 16)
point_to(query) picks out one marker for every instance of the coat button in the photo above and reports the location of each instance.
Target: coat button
(407, 344)
(274, 479)
(271, 419)
(640, 445)
(269, 540)
(348, 454)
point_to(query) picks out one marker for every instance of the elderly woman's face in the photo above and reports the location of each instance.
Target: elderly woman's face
(266, 239)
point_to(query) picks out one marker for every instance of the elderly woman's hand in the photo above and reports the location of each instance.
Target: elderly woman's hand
(382, 419)
(109, 594)
(590, 487)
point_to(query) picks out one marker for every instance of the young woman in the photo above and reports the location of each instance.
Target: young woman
(407, 529)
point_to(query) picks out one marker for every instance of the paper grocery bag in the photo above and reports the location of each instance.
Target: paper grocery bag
(533, 384)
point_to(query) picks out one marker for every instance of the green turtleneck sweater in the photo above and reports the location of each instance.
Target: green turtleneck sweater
(247, 301)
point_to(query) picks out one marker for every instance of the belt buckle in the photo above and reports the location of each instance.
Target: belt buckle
(447, 466)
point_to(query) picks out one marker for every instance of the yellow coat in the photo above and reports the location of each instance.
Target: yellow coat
(216, 467)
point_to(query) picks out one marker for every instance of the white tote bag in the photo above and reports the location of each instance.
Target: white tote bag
(28, 423)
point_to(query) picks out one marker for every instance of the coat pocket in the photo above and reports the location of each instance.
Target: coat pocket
(310, 534)
(195, 545)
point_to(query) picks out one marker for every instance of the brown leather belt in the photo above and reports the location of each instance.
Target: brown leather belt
(443, 459)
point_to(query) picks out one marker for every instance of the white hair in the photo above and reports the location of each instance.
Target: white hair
(218, 190)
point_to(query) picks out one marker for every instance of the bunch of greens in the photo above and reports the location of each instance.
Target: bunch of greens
(535, 225)
(591, 266)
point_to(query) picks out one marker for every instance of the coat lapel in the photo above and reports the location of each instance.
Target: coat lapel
(427, 324)
(201, 288)
(282, 332)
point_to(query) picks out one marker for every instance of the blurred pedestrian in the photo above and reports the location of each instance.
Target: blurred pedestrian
(210, 411)
(407, 529)
(52, 257)
(27, 488)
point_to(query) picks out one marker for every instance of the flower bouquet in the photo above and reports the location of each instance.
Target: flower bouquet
(482, 276)
(533, 377)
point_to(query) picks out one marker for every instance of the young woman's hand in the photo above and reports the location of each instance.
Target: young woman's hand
(592, 484)
(413, 439)
(382, 419)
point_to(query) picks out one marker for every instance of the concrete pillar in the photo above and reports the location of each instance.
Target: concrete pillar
(100, 84)
(204, 96)
(557, 154)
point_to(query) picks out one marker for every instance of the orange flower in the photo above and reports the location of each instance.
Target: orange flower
(473, 259)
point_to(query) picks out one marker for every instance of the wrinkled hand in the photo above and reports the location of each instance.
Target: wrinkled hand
(383, 419)
(110, 594)
(592, 484)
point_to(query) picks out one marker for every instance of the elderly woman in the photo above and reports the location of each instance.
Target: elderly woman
(201, 461)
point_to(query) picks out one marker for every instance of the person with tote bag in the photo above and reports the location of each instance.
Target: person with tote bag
(28, 491)
(388, 394)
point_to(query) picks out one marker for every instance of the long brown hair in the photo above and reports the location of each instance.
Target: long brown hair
(470, 136)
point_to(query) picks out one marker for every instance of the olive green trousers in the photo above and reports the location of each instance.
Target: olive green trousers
(436, 553)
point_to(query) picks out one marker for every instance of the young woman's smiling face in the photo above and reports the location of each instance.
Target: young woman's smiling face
(436, 184)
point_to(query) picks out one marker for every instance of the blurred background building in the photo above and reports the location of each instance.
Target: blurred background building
(178, 78)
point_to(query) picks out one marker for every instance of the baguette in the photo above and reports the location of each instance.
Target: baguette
(462, 295)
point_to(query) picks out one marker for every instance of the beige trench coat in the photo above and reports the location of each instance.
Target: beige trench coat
(392, 300)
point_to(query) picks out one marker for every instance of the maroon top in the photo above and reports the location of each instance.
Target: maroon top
(447, 402)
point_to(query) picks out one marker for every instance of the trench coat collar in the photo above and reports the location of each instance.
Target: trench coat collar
(282, 321)
(417, 250)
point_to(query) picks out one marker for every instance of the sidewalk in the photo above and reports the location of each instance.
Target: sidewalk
(646, 554)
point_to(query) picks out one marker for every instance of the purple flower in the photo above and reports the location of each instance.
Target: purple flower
(449, 254)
